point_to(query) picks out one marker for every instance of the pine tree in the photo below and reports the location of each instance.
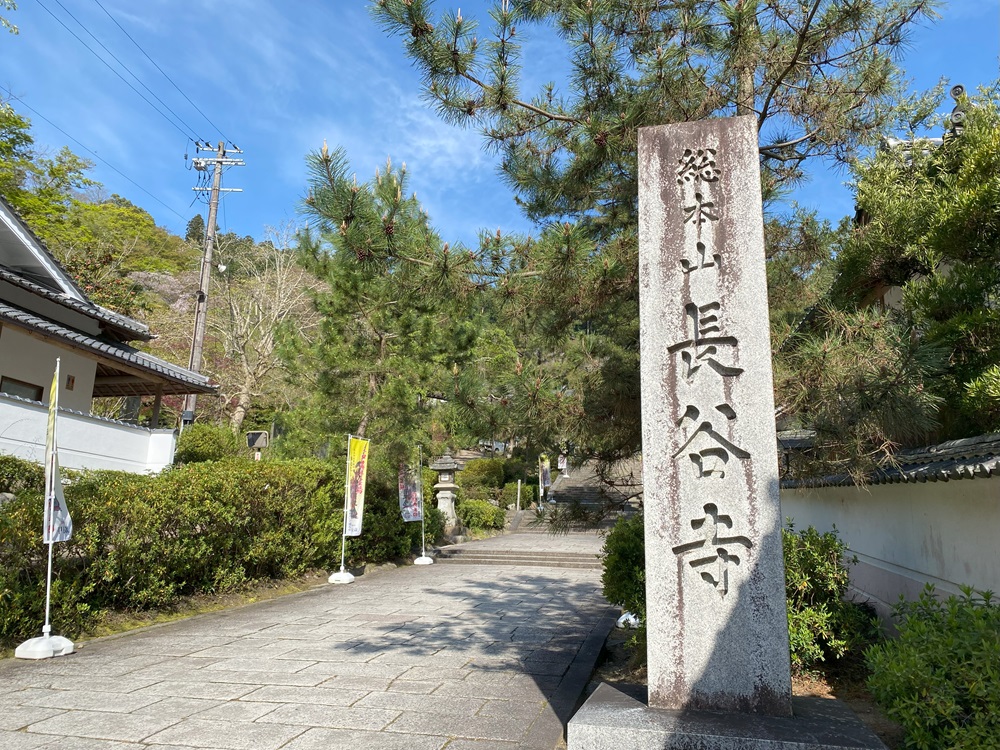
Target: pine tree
(393, 319)
(195, 231)
(932, 227)
(817, 75)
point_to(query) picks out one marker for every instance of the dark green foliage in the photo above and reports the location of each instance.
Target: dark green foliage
(481, 479)
(483, 472)
(480, 515)
(822, 625)
(624, 576)
(195, 230)
(433, 526)
(508, 496)
(932, 226)
(940, 678)
(819, 78)
(17, 475)
(393, 323)
(206, 442)
(861, 381)
(142, 541)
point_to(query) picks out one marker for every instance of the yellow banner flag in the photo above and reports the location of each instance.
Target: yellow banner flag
(57, 525)
(357, 470)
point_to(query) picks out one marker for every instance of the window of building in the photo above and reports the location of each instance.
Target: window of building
(19, 388)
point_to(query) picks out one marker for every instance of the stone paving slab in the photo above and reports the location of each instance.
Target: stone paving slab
(476, 657)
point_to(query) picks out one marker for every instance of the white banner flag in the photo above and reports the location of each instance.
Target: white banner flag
(58, 526)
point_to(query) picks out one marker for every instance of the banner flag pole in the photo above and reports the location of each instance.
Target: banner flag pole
(423, 559)
(343, 576)
(57, 527)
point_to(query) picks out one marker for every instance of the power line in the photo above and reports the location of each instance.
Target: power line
(97, 156)
(111, 68)
(207, 118)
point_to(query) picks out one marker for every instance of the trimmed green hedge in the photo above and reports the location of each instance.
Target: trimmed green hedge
(482, 472)
(142, 541)
(207, 442)
(480, 515)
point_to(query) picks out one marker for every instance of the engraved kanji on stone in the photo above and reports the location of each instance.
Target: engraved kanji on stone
(700, 211)
(708, 449)
(697, 165)
(704, 259)
(702, 348)
(715, 558)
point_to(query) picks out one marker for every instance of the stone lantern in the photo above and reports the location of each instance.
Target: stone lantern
(446, 466)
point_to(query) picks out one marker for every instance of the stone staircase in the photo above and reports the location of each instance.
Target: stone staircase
(472, 555)
(530, 541)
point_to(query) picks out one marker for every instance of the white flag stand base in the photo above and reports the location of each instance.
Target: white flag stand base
(341, 577)
(44, 647)
(424, 560)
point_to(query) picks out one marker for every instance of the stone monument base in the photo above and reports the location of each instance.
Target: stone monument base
(611, 720)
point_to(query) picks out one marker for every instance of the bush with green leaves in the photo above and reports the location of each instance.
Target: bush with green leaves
(142, 541)
(17, 475)
(434, 522)
(940, 679)
(508, 496)
(480, 515)
(206, 442)
(482, 472)
(624, 575)
(822, 624)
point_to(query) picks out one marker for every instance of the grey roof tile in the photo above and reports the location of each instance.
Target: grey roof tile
(109, 350)
(133, 328)
(969, 458)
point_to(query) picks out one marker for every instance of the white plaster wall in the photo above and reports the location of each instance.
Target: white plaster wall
(906, 535)
(32, 360)
(84, 442)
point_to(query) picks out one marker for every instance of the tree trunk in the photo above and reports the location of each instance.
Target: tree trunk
(243, 402)
(744, 69)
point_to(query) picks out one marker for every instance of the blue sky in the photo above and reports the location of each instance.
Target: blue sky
(280, 77)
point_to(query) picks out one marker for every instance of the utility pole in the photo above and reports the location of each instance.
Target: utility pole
(201, 298)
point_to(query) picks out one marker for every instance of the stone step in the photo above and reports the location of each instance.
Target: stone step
(520, 561)
(500, 554)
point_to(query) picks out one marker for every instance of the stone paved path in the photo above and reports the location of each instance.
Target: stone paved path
(459, 657)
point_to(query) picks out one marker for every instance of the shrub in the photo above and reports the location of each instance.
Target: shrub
(141, 541)
(480, 515)
(17, 475)
(514, 469)
(482, 472)
(433, 528)
(940, 678)
(206, 442)
(624, 575)
(508, 496)
(822, 625)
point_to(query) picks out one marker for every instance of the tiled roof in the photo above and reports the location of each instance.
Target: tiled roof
(176, 380)
(133, 328)
(129, 329)
(969, 458)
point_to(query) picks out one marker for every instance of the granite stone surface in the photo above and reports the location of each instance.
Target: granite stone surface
(611, 720)
(717, 625)
(395, 660)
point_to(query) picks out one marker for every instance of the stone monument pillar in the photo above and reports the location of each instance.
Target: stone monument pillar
(715, 583)
(717, 640)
